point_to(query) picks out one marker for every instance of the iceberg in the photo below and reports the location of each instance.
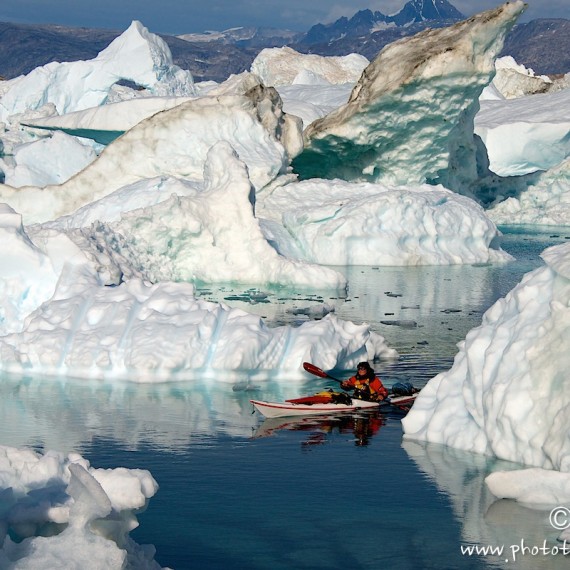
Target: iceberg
(89, 511)
(374, 224)
(537, 129)
(136, 55)
(193, 237)
(163, 333)
(175, 143)
(506, 394)
(285, 66)
(409, 119)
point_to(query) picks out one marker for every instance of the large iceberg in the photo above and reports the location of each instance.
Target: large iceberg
(409, 119)
(162, 332)
(207, 234)
(175, 143)
(373, 224)
(136, 55)
(507, 392)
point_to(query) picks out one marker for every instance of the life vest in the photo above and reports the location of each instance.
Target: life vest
(374, 389)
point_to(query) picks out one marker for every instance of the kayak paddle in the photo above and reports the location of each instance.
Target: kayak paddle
(312, 369)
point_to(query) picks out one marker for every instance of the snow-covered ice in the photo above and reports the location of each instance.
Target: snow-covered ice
(136, 55)
(95, 505)
(373, 224)
(285, 66)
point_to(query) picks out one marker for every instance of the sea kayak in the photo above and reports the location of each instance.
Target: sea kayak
(317, 404)
(282, 409)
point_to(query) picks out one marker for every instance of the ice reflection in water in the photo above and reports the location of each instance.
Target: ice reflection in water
(485, 520)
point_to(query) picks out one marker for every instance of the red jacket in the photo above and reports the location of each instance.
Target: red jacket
(376, 386)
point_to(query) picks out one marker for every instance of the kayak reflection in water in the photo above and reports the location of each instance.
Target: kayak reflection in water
(363, 426)
(366, 385)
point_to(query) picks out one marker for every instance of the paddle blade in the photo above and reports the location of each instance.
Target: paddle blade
(312, 369)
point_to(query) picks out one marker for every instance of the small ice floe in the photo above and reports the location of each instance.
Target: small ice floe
(315, 312)
(406, 324)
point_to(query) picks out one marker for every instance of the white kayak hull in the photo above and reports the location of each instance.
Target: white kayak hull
(283, 409)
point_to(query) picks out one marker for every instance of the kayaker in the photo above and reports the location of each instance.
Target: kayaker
(365, 383)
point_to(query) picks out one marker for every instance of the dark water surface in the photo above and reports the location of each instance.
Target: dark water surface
(336, 492)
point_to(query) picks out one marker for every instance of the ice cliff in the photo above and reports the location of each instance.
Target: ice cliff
(409, 119)
(508, 377)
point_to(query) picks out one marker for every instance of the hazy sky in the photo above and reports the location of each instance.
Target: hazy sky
(185, 16)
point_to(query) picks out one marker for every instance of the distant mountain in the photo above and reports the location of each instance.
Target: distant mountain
(543, 45)
(417, 11)
(416, 14)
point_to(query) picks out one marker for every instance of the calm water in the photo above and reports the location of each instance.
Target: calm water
(336, 492)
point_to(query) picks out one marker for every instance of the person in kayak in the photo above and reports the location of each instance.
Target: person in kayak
(366, 385)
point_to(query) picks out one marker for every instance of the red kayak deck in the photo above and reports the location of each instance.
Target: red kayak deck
(316, 399)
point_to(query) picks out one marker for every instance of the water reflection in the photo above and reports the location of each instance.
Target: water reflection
(363, 426)
(486, 520)
(67, 415)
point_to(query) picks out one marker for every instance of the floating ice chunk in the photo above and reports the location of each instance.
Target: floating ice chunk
(54, 488)
(531, 486)
(285, 66)
(162, 333)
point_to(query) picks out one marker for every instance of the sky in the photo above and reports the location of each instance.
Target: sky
(190, 16)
